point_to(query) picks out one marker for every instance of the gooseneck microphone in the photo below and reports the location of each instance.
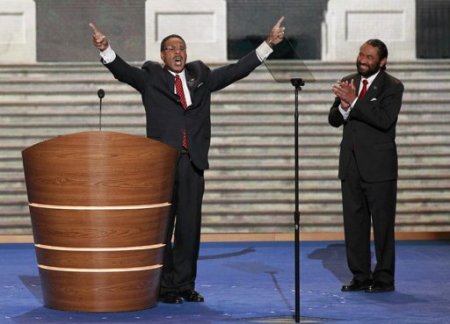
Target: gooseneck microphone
(100, 94)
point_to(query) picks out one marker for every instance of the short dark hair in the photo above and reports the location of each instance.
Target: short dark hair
(163, 42)
(381, 47)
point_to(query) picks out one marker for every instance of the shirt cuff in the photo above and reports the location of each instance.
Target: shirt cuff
(345, 113)
(108, 55)
(263, 51)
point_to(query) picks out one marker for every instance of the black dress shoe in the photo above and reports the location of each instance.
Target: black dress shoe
(356, 285)
(380, 287)
(191, 295)
(170, 298)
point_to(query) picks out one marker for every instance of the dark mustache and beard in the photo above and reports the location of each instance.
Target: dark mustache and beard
(366, 70)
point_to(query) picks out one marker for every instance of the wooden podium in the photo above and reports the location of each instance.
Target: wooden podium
(99, 203)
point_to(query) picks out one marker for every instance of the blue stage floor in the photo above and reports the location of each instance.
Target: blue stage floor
(251, 282)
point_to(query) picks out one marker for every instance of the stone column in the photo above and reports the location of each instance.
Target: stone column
(348, 24)
(202, 24)
(18, 30)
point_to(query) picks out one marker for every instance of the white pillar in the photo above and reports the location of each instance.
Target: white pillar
(18, 31)
(202, 24)
(348, 24)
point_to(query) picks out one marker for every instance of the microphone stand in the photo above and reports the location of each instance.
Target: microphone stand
(297, 83)
(100, 94)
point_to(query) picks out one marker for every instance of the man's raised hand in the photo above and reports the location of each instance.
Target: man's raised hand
(276, 35)
(98, 39)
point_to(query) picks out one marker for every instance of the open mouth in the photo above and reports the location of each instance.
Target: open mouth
(178, 61)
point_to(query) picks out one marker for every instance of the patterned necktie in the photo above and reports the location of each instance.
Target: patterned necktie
(180, 92)
(363, 90)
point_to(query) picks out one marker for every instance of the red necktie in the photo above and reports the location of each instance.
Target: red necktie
(363, 90)
(180, 93)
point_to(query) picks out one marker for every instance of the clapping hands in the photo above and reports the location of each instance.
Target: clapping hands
(345, 90)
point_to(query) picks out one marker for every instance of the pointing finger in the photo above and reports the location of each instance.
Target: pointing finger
(279, 22)
(94, 29)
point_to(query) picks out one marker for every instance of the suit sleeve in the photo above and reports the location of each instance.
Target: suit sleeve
(126, 73)
(335, 117)
(224, 76)
(383, 112)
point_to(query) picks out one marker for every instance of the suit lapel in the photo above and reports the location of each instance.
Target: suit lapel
(376, 85)
(357, 81)
(169, 80)
(192, 81)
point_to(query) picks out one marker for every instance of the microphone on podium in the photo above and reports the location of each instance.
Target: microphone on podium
(100, 94)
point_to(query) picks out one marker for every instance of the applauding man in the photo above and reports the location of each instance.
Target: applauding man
(367, 104)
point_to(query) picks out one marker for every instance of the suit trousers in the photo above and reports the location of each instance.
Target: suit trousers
(180, 256)
(364, 202)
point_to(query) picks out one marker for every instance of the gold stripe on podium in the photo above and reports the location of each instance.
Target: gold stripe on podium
(47, 206)
(112, 249)
(152, 267)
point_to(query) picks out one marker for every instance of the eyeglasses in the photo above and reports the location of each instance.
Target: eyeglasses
(174, 48)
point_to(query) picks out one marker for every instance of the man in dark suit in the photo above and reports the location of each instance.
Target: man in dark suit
(177, 99)
(367, 103)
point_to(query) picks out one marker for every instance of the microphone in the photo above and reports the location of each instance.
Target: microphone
(100, 94)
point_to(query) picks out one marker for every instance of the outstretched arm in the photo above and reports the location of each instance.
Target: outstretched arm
(121, 70)
(225, 75)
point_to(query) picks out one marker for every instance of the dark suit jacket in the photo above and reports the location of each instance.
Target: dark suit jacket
(165, 116)
(369, 130)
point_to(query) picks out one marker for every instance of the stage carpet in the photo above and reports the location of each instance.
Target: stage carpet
(253, 282)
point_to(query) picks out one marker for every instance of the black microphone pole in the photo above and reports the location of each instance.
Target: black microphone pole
(100, 94)
(297, 83)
